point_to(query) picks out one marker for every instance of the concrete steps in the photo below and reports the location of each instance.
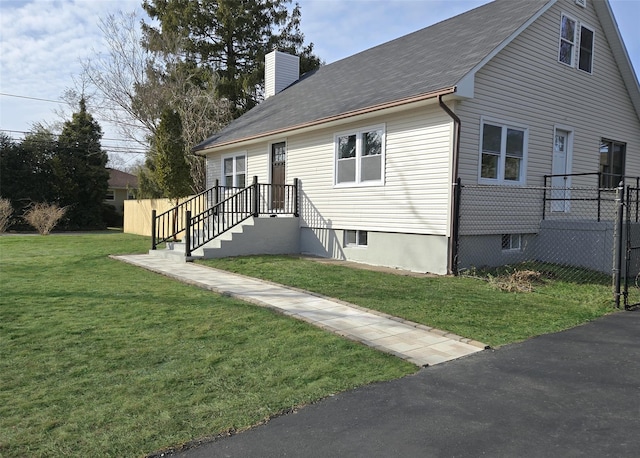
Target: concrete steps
(262, 235)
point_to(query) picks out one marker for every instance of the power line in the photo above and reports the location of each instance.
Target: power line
(59, 102)
(120, 149)
(33, 98)
(24, 132)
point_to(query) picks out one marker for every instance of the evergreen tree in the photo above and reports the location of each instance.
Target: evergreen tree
(25, 169)
(231, 38)
(79, 167)
(172, 171)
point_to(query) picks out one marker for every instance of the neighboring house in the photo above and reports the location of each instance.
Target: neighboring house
(499, 96)
(122, 186)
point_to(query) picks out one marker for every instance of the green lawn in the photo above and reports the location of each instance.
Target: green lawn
(470, 307)
(100, 358)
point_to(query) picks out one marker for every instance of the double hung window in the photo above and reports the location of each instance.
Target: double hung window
(360, 157)
(503, 153)
(576, 44)
(234, 171)
(567, 40)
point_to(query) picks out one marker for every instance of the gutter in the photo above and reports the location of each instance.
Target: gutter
(452, 267)
(349, 114)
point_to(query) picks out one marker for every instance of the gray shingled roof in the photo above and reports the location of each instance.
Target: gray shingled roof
(122, 180)
(423, 62)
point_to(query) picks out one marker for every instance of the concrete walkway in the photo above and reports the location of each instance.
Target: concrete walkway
(421, 345)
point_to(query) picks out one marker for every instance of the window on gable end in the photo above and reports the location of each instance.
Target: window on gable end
(567, 40)
(585, 59)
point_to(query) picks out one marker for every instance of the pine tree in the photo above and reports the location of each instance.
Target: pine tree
(231, 38)
(79, 167)
(172, 171)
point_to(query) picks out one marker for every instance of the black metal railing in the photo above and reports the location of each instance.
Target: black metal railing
(170, 224)
(218, 209)
(602, 193)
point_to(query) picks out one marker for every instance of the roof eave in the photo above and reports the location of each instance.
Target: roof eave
(322, 121)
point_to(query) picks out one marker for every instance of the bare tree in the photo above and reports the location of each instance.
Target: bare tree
(117, 73)
(135, 86)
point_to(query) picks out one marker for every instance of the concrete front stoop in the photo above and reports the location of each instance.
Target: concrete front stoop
(262, 235)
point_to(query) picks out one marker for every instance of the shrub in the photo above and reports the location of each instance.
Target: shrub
(111, 217)
(6, 210)
(44, 217)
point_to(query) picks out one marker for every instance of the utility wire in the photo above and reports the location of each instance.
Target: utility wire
(24, 132)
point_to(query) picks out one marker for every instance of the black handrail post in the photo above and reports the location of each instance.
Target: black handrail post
(618, 265)
(187, 234)
(256, 197)
(457, 196)
(153, 229)
(637, 187)
(544, 199)
(296, 203)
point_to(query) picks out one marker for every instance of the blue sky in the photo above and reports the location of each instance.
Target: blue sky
(43, 41)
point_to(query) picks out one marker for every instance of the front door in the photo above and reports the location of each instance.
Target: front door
(278, 176)
(560, 182)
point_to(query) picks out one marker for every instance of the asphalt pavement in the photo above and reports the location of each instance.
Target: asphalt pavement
(571, 394)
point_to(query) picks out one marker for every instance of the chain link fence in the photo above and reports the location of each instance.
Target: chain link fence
(538, 233)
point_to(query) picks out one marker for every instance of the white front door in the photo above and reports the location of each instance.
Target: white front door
(561, 166)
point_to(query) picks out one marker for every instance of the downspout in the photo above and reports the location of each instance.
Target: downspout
(452, 261)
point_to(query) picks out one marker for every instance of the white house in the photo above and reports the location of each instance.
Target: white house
(499, 96)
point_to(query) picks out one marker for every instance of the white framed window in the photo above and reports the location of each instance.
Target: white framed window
(585, 58)
(576, 44)
(503, 153)
(234, 171)
(359, 157)
(111, 195)
(355, 238)
(511, 242)
(566, 51)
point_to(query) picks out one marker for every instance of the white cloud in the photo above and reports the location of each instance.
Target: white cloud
(43, 41)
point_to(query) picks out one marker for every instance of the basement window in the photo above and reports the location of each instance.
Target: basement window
(355, 238)
(511, 242)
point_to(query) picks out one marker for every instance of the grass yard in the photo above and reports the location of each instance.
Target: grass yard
(470, 307)
(100, 358)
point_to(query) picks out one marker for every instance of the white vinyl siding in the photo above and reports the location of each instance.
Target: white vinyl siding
(524, 84)
(415, 197)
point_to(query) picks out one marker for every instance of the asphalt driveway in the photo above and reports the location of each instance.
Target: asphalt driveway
(570, 394)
